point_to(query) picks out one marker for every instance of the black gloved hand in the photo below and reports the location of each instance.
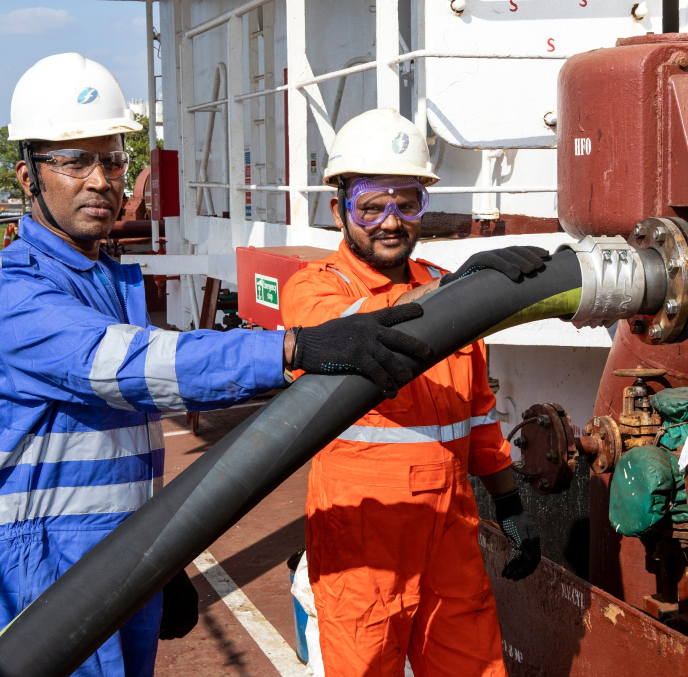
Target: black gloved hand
(363, 344)
(179, 607)
(512, 261)
(523, 536)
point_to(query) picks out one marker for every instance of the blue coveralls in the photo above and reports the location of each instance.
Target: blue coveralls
(83, 379)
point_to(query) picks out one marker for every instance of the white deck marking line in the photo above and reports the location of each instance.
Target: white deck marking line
(177, 432)
(236, 406)
(271, 643)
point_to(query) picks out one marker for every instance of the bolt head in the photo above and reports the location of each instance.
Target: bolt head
(682, 61)
(640, 230)
(602, 462)
(637, 326)
(543, 483)
(521, 442)
(671, 306)
(607, 255)
(656, 331)
(588, 429)
(602, 434)
(623, 256)
(673, 266)
(548, 455)
(528, 413)
(659, 234)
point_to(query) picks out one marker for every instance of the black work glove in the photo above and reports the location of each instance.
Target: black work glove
(511, 261)
(523, 536)
(179, 607)
(363, 344)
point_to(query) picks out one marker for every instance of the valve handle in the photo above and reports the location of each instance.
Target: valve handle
(640, 373)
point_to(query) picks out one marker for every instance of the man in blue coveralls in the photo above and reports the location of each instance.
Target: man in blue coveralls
(83, 374)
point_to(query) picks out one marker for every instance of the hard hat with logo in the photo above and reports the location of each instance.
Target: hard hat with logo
(67, 96)
(379, 142)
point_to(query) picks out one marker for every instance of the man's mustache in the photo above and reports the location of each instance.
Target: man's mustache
(385, 235)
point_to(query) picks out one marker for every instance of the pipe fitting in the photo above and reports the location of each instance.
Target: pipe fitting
(613, 281)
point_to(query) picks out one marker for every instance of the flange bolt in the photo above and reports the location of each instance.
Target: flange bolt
(682, 61)
(656, 331)
(637, 326)
(543, 421)
(659, 234)
(673, 266)
(543, 484)
(671, 307)
(623, 256)
(607, 255)
(640, 230)
(521, 442)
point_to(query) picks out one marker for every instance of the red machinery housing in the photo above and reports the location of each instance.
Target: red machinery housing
(623, 157)
(623, 135)
(261, 275)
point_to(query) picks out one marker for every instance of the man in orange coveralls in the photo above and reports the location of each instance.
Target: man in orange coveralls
(392, 525)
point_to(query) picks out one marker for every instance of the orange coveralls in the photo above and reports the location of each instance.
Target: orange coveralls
(391, 521)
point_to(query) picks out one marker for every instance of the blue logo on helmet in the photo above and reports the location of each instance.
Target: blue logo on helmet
(88, 95)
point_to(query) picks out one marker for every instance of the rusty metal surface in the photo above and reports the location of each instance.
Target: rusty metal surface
(554, 624)
(624, 566)
(548, 448)
(622, 115)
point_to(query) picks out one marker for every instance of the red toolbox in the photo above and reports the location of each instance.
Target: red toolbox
(262, 273)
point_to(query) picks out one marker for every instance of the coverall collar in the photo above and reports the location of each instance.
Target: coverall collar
(374, 279)
(51, 245)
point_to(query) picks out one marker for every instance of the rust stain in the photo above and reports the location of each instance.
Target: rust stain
(612, 611)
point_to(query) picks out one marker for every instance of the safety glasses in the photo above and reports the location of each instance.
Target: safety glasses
(372, 200)
(80, 163)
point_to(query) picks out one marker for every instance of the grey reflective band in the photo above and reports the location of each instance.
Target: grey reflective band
(344, 277)
(417, 434)
(491, 417)
(91, 445)
(353, 308)
(110, 356)
(161, 371)
(434, 272)
(109, 498)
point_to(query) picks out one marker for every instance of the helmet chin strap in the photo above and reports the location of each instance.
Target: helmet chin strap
(34, 185)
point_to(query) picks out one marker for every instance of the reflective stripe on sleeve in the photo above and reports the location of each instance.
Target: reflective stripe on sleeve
(411, 435)
(161, 372)
(492, 416)
(353, 308)
(92, 445)
(111, 353)
(434, 272)
(113, 498)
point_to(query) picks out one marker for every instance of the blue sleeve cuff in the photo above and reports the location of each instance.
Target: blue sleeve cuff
(268, 359)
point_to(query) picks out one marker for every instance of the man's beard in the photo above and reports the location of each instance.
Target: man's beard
(368, 255)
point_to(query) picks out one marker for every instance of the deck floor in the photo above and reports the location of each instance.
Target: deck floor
(253, 553)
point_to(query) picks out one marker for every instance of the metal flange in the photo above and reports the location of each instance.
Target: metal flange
(667, 236)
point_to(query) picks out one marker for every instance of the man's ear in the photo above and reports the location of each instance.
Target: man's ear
(334, 208)
(23, 177)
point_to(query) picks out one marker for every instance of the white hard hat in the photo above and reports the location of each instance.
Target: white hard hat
(67, 96)
(380, 141)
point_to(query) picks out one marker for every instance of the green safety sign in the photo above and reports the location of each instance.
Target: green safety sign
(267, 292)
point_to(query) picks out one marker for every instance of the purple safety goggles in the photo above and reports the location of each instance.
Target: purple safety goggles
(367, 206)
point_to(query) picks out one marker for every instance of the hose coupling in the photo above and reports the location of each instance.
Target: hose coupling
(613, 281)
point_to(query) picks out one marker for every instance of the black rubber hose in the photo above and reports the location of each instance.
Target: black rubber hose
(73, 617)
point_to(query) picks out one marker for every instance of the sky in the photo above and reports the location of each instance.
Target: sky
(112, 32)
